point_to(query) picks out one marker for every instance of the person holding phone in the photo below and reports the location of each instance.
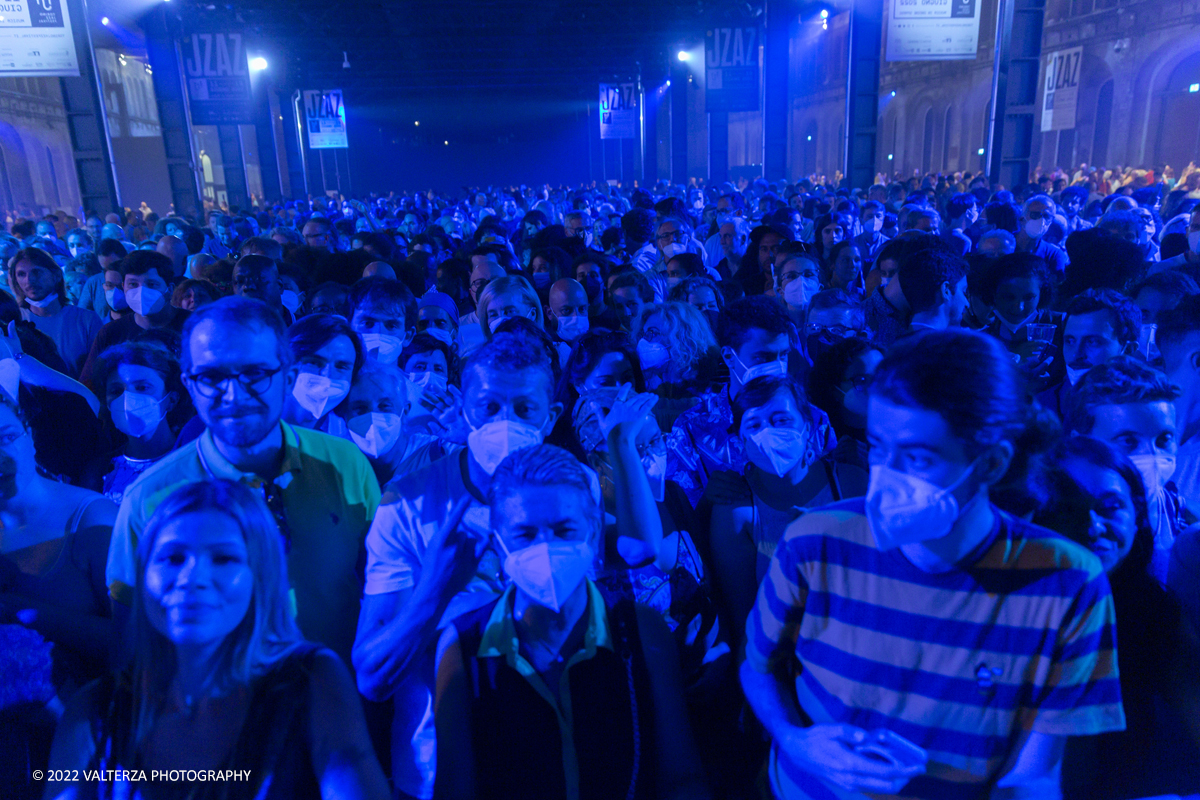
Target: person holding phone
(944, 647)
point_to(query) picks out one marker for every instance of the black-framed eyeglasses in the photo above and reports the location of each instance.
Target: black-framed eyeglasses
(673, 236)
(212, 382)
(477, 286)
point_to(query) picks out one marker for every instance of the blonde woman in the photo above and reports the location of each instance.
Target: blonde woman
(510, 296)
(678, 355)
(220, 677)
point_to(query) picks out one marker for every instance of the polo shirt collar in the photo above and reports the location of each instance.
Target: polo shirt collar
(500, 634)
(217, 466)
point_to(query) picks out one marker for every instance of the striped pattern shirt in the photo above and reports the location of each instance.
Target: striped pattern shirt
(958, 662)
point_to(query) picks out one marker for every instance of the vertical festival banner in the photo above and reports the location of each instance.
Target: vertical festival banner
(619, 110)
(218, 79)
(731, 69)
(325, 119)
(1060, 89)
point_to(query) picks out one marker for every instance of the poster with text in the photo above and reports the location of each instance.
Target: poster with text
(218, 79)
(36, 39)
(619, 111)
(1060, 89)
(731, 74)
(933, 30)
(325, 119)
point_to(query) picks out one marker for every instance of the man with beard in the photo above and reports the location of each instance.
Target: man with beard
(238, 369)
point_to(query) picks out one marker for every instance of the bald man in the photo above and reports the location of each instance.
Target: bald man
(112, 230)
(173, 248)
(380, 268)
(569, 309)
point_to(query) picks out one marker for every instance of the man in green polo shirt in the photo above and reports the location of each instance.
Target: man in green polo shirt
(321, 489)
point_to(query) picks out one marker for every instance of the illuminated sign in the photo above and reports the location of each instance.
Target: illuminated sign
(325, 119)
(36, 39)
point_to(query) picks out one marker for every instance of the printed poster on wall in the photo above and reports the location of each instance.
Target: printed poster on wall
(618, 111)
(1060, 89)
(218, 79)
(933, 30)
(325, 118)
(731, 75)
(36, 39)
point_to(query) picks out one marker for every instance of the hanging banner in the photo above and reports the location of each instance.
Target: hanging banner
(619, 111)
(36, 39)
(933, 30)
(731, 74)
(1060, 90)
(325, 118)
(218, 79)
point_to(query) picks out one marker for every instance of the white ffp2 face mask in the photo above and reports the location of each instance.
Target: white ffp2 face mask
(571, 328)
(376, 433)
(145, 301)
(904, 509)
(652, 354)
(656, 473)
(783, 449)
(135, 414)
(1156, 470)
(549, 572)
(316, 394)
(492, 442)
(45, 301)
(776, 368)
(383, 347)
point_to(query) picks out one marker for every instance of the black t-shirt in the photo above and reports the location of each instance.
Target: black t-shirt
(122, 330)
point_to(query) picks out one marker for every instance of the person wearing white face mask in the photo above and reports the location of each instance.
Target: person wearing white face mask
(1131, 406)
(568, 308)
(678, 356)
(377, 422)
(703, 456)
(36, 281)
(384, 313)
(146, 402)
(797, 278)
(552, 640)
(327, 355)
(509, 296)
(926, 543)
(437, 315)
(420, 569)
(1036, 216)
(147, 294)
(773, 419)
(434, 402)
(672, 237)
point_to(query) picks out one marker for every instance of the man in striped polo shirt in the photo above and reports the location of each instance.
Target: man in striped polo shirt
(944, 648)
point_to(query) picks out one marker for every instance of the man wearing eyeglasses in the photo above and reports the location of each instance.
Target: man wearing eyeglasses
(1036, 216)
(238, 369)
(318, 232)
(485, 269)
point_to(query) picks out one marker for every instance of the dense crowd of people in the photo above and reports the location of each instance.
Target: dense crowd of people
(682, 491)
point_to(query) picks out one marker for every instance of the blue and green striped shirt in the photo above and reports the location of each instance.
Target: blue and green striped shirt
(958, 662)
